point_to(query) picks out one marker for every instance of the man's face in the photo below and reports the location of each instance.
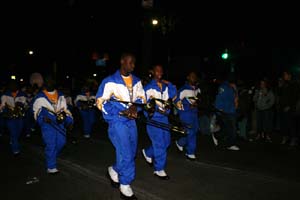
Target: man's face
(158, 72)
(262, 84)
(128, 64)
(286, 76)
(50, 85)
(192, 78)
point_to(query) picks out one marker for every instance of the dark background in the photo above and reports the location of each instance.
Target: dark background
(262, 40)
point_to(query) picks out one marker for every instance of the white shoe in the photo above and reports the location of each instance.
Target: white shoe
(148, 159)
(284, 140)
(180, 148)
(233, 148)
(126, 190)
(86, 136)
(52, 171)
(113, 174)
(214, 139)
(160, 173)
(190, 156)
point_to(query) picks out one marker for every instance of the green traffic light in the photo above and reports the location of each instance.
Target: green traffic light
(225, 56)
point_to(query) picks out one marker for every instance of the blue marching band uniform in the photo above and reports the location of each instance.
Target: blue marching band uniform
(156, 153)
(85, 102)
(13, 109)
(188, 114)
(53, 117)
(122, 130)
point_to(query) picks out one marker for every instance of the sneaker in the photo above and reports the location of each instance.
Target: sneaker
(16, 153)
(52, 171)
(86, 136)
(284, 140)
(126, 192)
(214, 139)
(113, 174)
(148, 159)
(233, 148)
(161, 174)
(268, 139)
(180, 148)
(191, 157)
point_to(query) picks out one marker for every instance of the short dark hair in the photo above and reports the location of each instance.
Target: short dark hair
(127, 54)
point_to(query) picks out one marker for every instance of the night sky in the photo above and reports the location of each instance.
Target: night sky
(262, 39)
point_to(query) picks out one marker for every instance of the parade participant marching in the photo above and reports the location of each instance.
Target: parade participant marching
(85, 102)
(122, 130)
(13, 105)
(189, 96)
(53, 117)
(162, 91)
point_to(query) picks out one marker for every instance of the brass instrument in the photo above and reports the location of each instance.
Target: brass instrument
(175, 127)
(16, 112)
(60, 115)
(87, 105)
(170, 127)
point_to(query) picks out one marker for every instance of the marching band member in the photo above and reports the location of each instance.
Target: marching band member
(53, 117)
(85, 103)
(13, 105)
(188, 95)
(157, 152)
(122, 130)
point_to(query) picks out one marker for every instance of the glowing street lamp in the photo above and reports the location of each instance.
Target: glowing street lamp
(30, 52)
(154, 22)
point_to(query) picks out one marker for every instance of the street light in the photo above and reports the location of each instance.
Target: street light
(30, 52)
(154, 22)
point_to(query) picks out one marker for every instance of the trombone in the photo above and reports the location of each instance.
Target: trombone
(182, 128)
